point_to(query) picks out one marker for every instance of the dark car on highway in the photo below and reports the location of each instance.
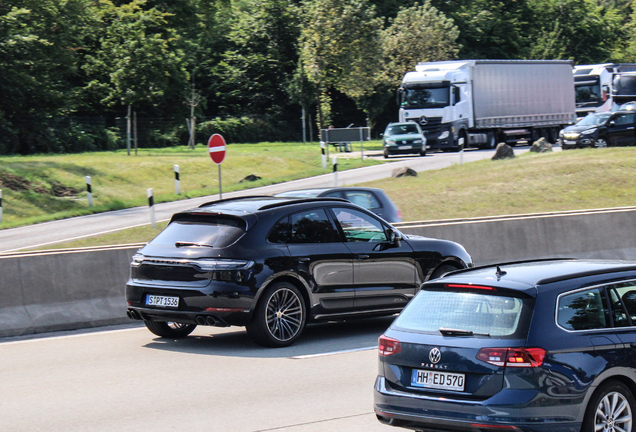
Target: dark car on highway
(536, 346)
(274, 264)
(372, 199)
(599, 130)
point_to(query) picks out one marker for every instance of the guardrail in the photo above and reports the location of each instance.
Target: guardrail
(77, 288)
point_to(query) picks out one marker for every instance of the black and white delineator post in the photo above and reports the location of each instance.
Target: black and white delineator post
(151, 206)
(323, 156)
(335, 171)
(0, 205)
(89, 191)
(177, 181)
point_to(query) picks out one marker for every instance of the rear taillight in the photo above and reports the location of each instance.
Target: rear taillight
(512, 357)
(388, 346)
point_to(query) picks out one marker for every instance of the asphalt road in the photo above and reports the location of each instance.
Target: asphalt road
(15, 239)
(126, 379)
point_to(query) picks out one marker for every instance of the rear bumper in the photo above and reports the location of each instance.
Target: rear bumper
(411, 411)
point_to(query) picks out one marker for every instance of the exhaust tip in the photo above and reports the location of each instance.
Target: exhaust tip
(133, 314)
(200, 320)
(210, 321)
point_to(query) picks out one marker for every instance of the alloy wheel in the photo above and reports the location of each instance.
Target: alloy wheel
(284, 314)
(613, 414)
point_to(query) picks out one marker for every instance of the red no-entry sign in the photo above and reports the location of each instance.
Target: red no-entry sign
(216, 147)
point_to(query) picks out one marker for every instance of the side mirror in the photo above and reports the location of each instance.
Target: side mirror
(612, 123)
(395, 237)
(381, 135)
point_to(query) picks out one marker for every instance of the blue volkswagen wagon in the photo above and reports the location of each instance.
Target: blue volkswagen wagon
(533, 346)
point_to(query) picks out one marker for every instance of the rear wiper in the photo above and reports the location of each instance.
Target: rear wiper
(186, 244)
(459, 332)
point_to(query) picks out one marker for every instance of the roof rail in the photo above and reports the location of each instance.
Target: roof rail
(234, 199)
(494, 265)
(288, 201)
(586, 273)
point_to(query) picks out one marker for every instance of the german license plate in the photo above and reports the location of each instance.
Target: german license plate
(162, 301)
(569, 142)
(405, 147)
(438, 380)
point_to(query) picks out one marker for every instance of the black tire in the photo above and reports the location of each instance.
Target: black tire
(386, 154)
(423, 152)
(170, 330)
(442, 270)
(280, 316)
(612, 403)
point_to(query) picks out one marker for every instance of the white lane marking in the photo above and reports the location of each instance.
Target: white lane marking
(50, 338)
(333, 353)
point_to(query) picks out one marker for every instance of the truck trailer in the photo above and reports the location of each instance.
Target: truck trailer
(480, 103)
(593, 86)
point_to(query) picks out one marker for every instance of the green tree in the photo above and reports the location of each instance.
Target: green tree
(580, 30)
(340, 49)
(261, 56)
(418, 34)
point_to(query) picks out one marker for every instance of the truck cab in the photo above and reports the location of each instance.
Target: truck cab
(438, 98)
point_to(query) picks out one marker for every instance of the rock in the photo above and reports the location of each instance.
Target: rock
(503, 151)
(402, 172)
(541, 146)
(251, 178)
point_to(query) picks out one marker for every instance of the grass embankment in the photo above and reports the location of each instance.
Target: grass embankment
(47, 187)
(531, 183)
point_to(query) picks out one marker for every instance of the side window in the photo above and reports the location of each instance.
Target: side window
(312, 226)
(333, 195)
(456, 95)
(625, 119)
(359, 227)
(363, 199)
(280, 231)
(626, 292)
(583, 310)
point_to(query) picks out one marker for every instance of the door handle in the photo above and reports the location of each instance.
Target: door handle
(304, 259)
(363, 257)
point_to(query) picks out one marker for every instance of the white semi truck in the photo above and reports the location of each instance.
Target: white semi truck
(594, 88)
(481, 103)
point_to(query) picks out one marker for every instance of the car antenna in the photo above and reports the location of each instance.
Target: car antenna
(500, 273)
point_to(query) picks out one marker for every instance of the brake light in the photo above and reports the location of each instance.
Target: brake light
(470, 286)
(512, 357)
(388, 346)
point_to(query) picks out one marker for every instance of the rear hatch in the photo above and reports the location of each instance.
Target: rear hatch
(188, 252)
(455, 340)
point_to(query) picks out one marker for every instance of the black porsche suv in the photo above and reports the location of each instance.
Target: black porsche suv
(274, 264)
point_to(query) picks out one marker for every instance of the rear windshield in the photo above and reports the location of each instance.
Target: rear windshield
(468, 311)
(218, 233)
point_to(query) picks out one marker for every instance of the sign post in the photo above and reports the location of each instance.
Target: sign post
(216, 148)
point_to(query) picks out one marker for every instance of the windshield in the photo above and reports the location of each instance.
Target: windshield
(421, 97)
(625, 85)
(588, 93)
(401, 129)
(469, 311)
(593, 120)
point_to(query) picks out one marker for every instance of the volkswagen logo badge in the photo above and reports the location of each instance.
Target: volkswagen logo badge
(423, 120)
(435, 355)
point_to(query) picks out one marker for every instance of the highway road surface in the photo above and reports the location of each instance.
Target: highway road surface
(125, 379)
(47, 233)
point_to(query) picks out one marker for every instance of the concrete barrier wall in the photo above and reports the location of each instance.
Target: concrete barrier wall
(602, 234)
(65, 290)
(50, 291)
